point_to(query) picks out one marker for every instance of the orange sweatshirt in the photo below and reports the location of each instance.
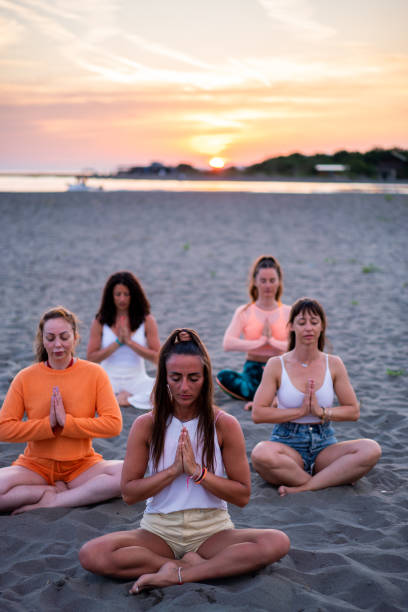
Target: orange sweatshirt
(90, 405)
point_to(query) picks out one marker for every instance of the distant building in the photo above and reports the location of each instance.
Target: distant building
(331, 168)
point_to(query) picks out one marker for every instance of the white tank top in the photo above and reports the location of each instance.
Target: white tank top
(290, 397)
(124, 356)
(184, 494)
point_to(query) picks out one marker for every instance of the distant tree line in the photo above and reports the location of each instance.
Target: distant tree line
(377, 164)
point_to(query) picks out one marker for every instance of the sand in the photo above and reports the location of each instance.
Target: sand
(192, 253)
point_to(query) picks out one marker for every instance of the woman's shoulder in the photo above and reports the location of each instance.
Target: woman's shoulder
(96, 324)
(275, 362)
(335, 363)
(224, 420)
(149, 320)
(243, 310)
(31, 370)
(143, 425)
(90, 368)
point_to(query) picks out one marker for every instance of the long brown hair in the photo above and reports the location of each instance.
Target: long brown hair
(58, 312)
(183, 342)
(302, 305)
(265, 261)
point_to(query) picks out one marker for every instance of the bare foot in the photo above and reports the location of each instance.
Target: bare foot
(191, 558)
(248, 406)
(284, 490)
(47, 500)
(60, 486)
(167, 575)
(123, 398)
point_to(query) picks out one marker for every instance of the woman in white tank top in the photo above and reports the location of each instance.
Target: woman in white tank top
(303, 453)
(124, 334)
(196, 461)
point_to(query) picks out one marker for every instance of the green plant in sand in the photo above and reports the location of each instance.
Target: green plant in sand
(186, 246)
(370, 269)
(395, 373)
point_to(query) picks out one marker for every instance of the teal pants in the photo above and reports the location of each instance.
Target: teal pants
(242, 385)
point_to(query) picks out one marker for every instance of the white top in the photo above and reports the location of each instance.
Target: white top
(290, 397)
(123, 356)
(184, 494)
(126, 369)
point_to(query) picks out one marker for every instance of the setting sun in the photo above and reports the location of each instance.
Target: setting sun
(217, 162)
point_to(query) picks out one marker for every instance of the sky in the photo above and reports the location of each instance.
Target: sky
(104, 84)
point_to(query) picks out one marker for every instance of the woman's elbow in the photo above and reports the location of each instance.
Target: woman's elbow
(356, 413)
(256, 417)
(243, 498)
(129, 501)
(226, 346)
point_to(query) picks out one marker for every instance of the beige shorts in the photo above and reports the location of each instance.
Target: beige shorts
(184, 531)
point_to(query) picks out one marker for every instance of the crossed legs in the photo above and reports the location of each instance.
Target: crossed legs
(138, 553)
(22, 489)
(337, 464)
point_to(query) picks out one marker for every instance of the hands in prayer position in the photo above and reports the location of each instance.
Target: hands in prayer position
(57, 410)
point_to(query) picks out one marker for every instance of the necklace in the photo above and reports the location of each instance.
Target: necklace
(304, 364)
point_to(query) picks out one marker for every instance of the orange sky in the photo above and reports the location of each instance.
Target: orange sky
(117, 82)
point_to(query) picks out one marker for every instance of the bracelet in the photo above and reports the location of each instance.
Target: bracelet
(329, 414)
(323, 417)
(197, 473)
(202, 476)
(179, 575)
(119, 342)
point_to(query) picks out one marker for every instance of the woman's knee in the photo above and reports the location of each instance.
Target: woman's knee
(94, 557)
(372, 451)
(274, 544)
(262, 456)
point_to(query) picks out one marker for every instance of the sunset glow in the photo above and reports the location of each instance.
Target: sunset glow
(107, 84)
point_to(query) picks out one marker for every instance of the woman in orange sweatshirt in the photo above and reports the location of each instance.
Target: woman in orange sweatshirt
(67, 402)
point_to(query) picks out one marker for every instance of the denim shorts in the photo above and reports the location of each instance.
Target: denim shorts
(308, 439)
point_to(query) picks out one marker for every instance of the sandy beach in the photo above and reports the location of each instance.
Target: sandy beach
(192, 252)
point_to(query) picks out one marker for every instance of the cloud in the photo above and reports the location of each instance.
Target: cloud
(173, 54)
(11, 32)
(297, 17)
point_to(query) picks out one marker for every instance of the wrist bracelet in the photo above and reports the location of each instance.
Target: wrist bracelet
(119, 342)
(202, 476)
(323, 417)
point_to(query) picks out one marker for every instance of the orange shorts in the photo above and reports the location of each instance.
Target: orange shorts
(52, 470)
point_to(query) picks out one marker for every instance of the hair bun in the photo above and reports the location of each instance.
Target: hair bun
(184, 336)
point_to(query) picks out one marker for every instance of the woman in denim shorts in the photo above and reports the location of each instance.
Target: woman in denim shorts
(303, 453)
(195, 459)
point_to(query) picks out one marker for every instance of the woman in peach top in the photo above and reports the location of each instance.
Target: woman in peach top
(258, 328)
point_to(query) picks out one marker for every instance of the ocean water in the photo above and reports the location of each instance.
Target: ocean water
(51, 184)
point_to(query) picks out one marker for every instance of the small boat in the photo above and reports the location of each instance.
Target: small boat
(81, 185)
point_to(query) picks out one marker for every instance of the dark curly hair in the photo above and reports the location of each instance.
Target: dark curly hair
(139, 306)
